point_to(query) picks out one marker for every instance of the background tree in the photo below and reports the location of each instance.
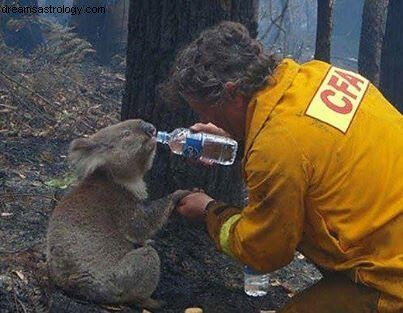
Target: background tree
(89, 26)
(324, 30)
(392, 60)
(106, 31)
(372, 36)
(114, 34)
(193, 272)
(346, 32)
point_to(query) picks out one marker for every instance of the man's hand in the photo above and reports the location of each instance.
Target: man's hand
(209, 128)
(194, 205)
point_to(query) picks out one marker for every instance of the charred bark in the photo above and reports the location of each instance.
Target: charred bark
(372, 34)
(324, 30)
(192, 269)
(392, 60)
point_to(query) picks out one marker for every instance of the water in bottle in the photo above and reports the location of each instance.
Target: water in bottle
(201, 146)
(255, 284)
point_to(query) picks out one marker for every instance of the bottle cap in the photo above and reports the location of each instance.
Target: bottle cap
(162, 137)
(248, 270)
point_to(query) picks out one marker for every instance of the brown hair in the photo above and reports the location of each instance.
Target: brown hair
(221, 54)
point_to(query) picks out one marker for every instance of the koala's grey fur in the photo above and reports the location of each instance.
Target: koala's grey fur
(93, 232)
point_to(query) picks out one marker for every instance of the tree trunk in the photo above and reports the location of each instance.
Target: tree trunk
(115, 30)
(392, 56)
(372, 33)
(324, 30)
(193, 273)
(107, 32)
(89, 26)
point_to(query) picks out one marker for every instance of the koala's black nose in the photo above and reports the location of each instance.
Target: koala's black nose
(149, 129)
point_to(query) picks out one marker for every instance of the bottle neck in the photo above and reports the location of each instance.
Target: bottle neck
(163, 137)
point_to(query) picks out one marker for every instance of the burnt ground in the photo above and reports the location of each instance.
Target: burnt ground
(45, 102)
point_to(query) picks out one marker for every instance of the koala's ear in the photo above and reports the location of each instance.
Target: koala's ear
(81, 144)
(85, 156)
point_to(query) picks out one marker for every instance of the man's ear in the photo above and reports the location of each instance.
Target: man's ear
(231, 88)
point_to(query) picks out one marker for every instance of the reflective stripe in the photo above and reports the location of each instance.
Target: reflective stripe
(224, 233)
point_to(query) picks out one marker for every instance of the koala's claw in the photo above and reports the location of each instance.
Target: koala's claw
(178, 195)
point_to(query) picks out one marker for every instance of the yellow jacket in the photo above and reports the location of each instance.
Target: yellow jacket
(323, 165)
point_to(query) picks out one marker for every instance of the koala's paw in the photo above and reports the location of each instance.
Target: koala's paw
(178, 195)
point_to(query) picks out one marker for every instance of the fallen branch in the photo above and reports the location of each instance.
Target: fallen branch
(22, 305)
(8, 106)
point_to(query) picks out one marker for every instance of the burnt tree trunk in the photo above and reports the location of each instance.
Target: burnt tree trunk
(324, 30)
(392, 56)
(107, 32)
(114, 34)
(372, 34)
(193, 273)
(89, 26)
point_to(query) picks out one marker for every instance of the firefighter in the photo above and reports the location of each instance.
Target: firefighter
(322, 162)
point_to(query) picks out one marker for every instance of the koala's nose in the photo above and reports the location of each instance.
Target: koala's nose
(149, 129)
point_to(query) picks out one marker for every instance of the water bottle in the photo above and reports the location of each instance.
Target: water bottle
(255, 284)
(200, 146)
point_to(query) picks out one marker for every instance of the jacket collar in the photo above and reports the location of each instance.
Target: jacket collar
(264, 101)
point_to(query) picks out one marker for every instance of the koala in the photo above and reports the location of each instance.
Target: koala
(97, 238)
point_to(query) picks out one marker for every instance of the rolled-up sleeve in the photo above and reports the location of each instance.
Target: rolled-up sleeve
(265, 234)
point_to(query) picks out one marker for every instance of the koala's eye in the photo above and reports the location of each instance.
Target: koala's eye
(126, 133)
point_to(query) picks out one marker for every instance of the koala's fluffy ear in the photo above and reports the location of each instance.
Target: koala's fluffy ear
(83, 144)
(79, 148)
(84, 157)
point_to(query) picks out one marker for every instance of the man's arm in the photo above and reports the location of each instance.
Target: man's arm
(265, 234)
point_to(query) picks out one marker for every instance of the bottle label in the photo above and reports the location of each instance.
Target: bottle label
(193, 146)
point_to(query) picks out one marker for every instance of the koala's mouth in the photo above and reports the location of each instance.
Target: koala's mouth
(151, 143)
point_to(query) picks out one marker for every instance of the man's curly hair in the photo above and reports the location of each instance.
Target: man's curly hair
(221, 54)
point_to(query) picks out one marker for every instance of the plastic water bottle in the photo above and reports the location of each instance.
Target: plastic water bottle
(200, 146)
(255, 284)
